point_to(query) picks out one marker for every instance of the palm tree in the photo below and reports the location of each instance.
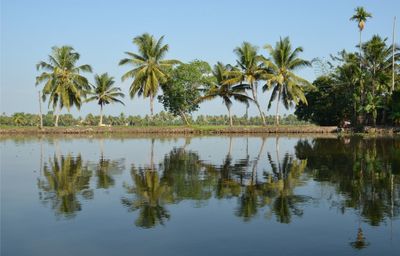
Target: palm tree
(63, 82)
(150, 69)
(105, 93)
(225, 91)
(361, 16)
(287, 86)
(249, 71)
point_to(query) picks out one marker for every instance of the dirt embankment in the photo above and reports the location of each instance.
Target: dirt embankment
(169, 130)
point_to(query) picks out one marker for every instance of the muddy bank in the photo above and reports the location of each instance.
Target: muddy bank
(169, 130)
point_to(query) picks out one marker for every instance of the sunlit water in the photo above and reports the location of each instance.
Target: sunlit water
(200, 196)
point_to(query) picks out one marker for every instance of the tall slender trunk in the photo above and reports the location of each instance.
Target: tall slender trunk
(277, 107)
(58, 110)
(40, 112)
(393, 50)
(254, 92)
(101, 115)
(151, 105)
(230, 115)
(362, 89)
(184, 117)
(360, 48)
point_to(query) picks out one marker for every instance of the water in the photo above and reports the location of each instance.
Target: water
(200, 196)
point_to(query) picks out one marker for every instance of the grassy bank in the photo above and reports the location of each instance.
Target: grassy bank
(170, 129)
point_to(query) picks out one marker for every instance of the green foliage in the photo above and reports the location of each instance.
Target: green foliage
(149, 67)
(328, 103)
(160, 119)
(63, 83)
(182, 90)
(225, 90)
(362, 95)
(286, 85)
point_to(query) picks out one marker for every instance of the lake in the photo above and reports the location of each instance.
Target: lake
(121, 195)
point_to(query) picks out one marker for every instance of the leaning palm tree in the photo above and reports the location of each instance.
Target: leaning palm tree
(287, 86)
(224, 90)
(64, 83)
(249, 70)
(105, 93)
(361, 16)
(150, 69)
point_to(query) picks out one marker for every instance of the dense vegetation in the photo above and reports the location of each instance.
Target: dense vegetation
(161, 119)
(358, 88)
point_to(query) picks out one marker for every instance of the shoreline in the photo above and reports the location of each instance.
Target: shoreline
(283, 129)
(171, 130)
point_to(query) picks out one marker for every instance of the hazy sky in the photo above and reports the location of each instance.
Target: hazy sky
(208, 30)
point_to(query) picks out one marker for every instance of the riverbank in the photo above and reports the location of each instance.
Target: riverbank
(170, 130)
(288, 129)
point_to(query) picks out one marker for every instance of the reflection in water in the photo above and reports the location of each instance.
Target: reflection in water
(106, 169)
(65, 179)
(363, 172)
(150, 197)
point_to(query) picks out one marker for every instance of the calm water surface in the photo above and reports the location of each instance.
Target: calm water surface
(200, 196)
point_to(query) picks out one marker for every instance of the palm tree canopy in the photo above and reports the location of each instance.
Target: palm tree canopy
(104, 91)
(149, 67)
(361, 16)
(249, 65)
(281, 77)
(63, 81)
(223, 89)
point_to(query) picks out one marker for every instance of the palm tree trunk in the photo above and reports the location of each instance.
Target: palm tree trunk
(101, 115)
(362, 99)
(277, 108)
(40, 112)
(254, 92)
(360, 48)
(230, 115)
(58, 110)
(393, 49)
(151, 105)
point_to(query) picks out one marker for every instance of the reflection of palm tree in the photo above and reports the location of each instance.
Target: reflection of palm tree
(63, 181)
(286, 175)
(151, 194)
(186, 175)
(105, 169)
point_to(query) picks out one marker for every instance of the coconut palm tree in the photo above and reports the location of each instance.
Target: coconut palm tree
(225, 90)
(105, 93)
(249, 70)
(287, 86)
(64, 83)
(150, 69)
(360, 16)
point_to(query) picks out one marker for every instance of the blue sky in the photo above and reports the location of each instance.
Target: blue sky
(209, 30)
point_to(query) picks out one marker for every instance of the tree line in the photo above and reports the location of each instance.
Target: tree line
(361, 87)
(160, 119)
